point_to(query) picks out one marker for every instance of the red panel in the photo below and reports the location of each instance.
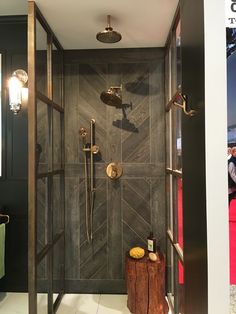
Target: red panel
(232, 241)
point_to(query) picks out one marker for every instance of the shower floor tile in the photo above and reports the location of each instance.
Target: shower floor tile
(113, 304)
(13, 303)
(17, 303)
(79, 304)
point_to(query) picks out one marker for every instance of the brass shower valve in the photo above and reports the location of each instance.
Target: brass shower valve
(114, 170)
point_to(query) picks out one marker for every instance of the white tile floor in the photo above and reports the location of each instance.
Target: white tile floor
(16, 303)
(12, 303)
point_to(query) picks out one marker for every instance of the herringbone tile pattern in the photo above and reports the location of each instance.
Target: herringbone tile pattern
(125, 210)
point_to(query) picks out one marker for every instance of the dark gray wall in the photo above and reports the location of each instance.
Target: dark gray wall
(125, 210)
(13, 184)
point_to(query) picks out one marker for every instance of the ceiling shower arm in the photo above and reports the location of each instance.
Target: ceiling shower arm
(109, 22)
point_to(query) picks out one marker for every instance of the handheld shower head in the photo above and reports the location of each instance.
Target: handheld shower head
(108, 36)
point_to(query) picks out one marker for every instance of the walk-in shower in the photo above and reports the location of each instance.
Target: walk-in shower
(89, 150)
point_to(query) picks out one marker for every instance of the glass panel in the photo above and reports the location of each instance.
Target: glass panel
(42, 303)
(42, 286)
(178, 141)
(175, 207)
(178, 162)
(180, 241)
(169, 203)
(57, 149)
(180, 212)
(177, 213)
(42, 137)
(168, 141)
(42, 213)
(41, 59)
(175, 275)
(57, 205)
(178, 54)
(170, 271)
(174, 113)
(173, 74)
(168, 93)
(58, 266)
(168, 115)
(179, 287)
(176, 283)
(57, 75)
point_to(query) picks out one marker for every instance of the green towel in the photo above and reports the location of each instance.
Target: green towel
(2, 250)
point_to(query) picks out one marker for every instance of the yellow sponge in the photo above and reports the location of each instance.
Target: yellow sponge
(137, 252)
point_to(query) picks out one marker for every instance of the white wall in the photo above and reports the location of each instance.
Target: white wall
(216, 157)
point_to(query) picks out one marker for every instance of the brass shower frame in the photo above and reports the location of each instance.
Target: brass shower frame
(36, 98)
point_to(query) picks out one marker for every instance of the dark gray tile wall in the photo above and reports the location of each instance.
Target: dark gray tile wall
(127, 209)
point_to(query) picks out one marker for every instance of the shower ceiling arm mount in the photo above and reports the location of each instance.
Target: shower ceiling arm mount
(108, 23)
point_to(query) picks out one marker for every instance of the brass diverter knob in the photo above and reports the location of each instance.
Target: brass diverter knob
(114, 170)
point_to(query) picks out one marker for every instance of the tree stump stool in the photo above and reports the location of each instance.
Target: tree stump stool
(145, 281)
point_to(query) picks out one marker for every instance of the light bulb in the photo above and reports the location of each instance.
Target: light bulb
(17, 93)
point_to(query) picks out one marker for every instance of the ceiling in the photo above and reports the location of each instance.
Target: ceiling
(13, 7)
(76, 22)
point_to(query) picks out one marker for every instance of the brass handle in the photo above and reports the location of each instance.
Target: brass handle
(191, 112)
(95, 149)
(183, 105)
(114, 170)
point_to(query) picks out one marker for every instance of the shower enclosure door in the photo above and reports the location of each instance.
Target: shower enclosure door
(46, 236)
(185, 162)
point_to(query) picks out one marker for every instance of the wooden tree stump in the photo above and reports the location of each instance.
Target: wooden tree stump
(145, 282)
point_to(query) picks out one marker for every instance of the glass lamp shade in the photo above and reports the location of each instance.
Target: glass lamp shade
(16, 83)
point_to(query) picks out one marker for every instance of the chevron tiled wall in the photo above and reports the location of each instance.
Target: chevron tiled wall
(127, 209)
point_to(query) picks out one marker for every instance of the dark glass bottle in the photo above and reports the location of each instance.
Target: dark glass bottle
(151, 243)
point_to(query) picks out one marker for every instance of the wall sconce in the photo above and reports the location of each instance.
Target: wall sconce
(16, 90)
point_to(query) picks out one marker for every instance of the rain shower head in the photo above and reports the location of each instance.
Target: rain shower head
(112, 97)
(108, 36)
